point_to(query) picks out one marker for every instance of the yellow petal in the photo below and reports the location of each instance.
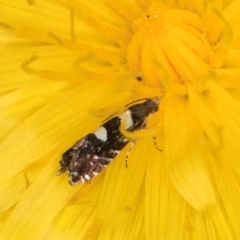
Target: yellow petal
(185, 158)
(164, 207)
(123, 185)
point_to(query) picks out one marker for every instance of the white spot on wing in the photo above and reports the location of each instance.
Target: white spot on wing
(126, 119)
(74, 174)
(101, 133)
(82, 179)
(87, 177)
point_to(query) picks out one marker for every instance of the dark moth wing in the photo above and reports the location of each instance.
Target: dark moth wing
(91, 154)
(83, 170)
(87, 158)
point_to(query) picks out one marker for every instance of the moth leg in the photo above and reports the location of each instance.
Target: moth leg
(155, 143)
(133, 141)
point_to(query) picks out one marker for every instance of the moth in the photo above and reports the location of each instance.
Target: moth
(92, 153)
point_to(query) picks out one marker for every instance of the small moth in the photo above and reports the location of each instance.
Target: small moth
(92, 153)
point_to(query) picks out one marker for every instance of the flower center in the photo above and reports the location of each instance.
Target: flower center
(168, 46)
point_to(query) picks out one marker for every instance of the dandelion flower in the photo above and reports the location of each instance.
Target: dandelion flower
(66, 66)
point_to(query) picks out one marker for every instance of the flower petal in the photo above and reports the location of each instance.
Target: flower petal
(122, 185)
(230, 120)
(43, 207)
(185, 158)
(164, 207)
(191, 179)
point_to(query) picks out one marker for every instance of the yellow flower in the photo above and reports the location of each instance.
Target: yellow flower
(68, 65)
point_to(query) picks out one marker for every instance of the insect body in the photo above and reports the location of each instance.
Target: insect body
(91, 154)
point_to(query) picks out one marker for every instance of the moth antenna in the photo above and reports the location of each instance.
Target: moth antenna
(141, 99)
(108, 118)
(155, 143)
(129, 150)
